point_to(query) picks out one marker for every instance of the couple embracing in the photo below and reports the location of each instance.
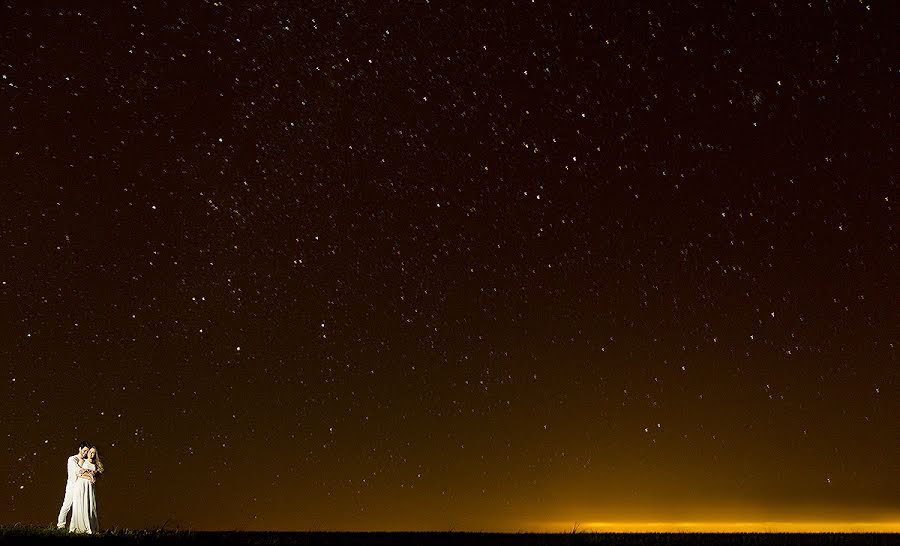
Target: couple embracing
(84, 469)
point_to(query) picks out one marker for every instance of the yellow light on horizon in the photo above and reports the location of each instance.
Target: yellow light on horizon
(733, 526)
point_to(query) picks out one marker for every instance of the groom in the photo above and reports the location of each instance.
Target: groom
(73, 468)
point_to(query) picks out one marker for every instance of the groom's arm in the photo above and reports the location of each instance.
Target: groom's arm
(73, 469)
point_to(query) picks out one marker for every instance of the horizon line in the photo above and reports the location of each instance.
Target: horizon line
(751, 526)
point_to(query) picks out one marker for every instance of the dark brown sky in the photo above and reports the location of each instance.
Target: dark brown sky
(424, 265)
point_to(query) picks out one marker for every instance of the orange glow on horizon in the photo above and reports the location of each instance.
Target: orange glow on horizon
(726, 526)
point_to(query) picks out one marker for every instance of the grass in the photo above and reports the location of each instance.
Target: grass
(24, 535)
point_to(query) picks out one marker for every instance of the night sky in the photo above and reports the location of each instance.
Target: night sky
(427, 265)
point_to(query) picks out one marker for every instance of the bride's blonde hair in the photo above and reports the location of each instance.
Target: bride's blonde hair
(97, 462)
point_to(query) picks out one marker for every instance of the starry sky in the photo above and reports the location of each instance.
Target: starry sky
(436, 265)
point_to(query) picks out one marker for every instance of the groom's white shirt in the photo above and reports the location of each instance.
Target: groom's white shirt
(72, 468)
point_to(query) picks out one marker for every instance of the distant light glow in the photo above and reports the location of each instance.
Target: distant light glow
(726, 526)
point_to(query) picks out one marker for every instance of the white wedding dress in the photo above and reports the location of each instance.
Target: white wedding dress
(84, 504)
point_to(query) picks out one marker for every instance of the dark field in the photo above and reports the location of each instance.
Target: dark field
(25, 536)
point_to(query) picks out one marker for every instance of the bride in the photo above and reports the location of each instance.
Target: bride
(84, 498)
